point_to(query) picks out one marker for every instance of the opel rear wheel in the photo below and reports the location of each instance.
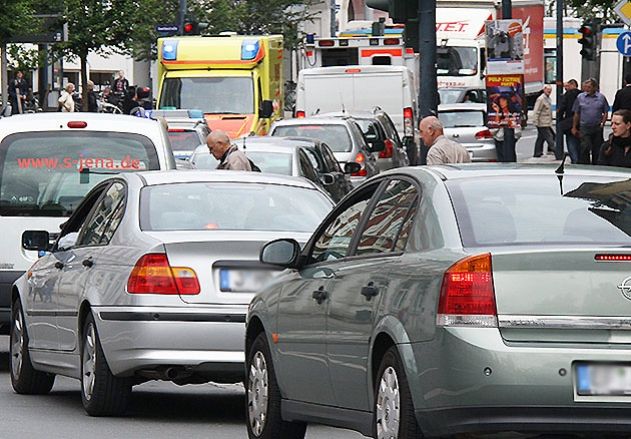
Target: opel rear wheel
(263, 397)
(102, 393)
(394, 416)
(24, 378)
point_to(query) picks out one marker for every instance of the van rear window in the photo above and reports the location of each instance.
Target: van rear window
(48, 173)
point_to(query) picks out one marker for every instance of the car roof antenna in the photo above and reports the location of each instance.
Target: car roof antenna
(561, 170)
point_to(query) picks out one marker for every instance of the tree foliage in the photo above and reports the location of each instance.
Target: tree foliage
(16, 17)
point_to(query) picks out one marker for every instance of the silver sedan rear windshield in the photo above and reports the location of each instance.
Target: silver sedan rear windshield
(461, 118)
(48, 173)
(231, 206)
(336, 136)
(540, 210)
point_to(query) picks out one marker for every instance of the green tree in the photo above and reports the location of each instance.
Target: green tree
(16, 17)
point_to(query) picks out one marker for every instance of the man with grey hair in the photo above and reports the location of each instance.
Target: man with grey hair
(229, 156)
(441, 149)
(590, 114)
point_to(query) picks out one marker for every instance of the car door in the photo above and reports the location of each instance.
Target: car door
(42, 303)
(79, 260)
(307, 169)
(342, 184)
(302, 305)
(358, 285)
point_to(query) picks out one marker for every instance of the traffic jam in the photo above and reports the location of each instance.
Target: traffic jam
(302, 246)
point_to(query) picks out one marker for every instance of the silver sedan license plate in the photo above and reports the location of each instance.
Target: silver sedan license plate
(603, 379)
(233, 280)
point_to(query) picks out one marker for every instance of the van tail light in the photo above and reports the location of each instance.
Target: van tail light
(408, 122)
(300, 114)
(361, 159)
(153, 274)
(326, 43)
(467, 296)
(484, 134)
(388, 149)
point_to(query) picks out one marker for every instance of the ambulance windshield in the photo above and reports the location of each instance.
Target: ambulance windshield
(214, 95)
(457, 61)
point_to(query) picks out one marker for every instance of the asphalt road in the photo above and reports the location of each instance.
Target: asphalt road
(158, 410)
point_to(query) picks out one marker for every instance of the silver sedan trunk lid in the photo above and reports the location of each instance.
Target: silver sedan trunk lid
(226, 263)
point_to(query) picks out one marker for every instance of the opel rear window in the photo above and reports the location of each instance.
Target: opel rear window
(541, 210)
(48, 173)
(184, 140)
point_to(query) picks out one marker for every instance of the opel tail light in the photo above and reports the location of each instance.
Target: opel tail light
(467, 296)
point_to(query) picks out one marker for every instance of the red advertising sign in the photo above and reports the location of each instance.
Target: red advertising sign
(532, 24)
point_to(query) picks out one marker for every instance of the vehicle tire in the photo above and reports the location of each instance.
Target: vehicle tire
(394, 411)
(262, 397)
(102, 393)
(24, 378)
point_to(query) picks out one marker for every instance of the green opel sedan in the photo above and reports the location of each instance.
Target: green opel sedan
(451, 299)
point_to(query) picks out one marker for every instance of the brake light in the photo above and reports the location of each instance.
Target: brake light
(300, 114)
(408, 122)
(176, 130)
(467, 296)
(153, 274)
(355, 70)
(77, 124)
(391, 41)
(388, 149)
(612, 258)
(326, 43)
(361, 159)
(484, 134)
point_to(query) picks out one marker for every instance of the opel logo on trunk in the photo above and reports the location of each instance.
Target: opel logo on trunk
(625, 287)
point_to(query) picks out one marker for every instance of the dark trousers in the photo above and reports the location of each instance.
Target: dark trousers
(544, 134)
(573, 146)
(591, 139)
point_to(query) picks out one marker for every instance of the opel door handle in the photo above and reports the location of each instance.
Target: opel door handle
(87, 263)
(59, 265)
(320, 295)
(370, 291)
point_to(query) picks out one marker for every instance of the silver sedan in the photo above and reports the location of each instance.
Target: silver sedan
(466, 124)
(150, 279)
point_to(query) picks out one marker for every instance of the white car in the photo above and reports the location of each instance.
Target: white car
(49, 161)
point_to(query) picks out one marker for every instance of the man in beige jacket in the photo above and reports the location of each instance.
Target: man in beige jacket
(542, 118)
(229, 156)
(441, 149)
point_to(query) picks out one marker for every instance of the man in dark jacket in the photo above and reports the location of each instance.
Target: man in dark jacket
(17, 91)
(622, 101)
(565, 115)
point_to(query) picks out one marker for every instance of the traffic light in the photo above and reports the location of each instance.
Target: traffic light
(588, 40)
(190, 27)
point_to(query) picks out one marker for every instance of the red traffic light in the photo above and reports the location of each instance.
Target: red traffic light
(188, 28)
(586, 30)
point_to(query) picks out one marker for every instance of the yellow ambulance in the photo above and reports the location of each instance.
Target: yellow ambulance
(235, 80)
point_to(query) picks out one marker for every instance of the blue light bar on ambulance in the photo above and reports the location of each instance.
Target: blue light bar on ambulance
(169, 50)
(196, 114)
(249, 49)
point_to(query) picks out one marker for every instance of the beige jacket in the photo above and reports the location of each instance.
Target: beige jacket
(234, 160)
(445, 151)
(542, 113)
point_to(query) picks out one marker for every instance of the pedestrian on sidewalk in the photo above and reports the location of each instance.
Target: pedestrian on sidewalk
(622, 101)
(616, 151)
(441, 149)
(66, 102)
(542, 119)
(590, 114)
(566, 117)
(17, 93)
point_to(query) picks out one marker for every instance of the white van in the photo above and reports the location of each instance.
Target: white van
(361, 88)
(49, 161)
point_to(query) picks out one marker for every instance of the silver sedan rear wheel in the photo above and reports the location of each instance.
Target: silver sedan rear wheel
(257, 394)
(388, 409)
(394, 416)
(88, 363)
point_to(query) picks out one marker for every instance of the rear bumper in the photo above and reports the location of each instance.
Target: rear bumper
(470, 379)
(6, 284)
(525, 419)
(201, 340)
(483, 151)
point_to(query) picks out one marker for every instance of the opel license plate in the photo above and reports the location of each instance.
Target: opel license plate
(603, 379)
